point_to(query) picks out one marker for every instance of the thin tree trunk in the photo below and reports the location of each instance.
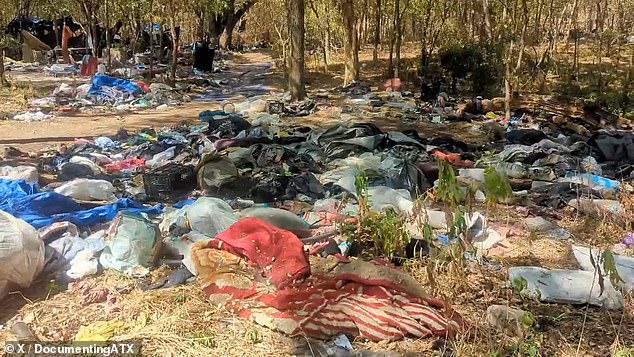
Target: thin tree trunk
(487, 19)
(109, 59)
(327, 49)
(151, 50)
(3, 79)
(350, 45)
(398, 40)
(174, 48)
(507, 83)
(226, 38)
(390, 69)
(295, 12)
(377, 31)
(161, 44)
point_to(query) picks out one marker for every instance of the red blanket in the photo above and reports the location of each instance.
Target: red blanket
(262, 273)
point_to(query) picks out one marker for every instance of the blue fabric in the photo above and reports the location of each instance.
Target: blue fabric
(183, 203)
(41, 209)
(102, 80)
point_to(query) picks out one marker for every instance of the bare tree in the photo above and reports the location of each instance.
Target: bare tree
(377, 31)
(350, 43)
(295, 13)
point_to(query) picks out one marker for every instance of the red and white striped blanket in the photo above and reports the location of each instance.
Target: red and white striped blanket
(262, 273)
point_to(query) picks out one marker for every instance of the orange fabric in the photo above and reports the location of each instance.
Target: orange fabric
(89, 66)
(66, 35)
(452, 158)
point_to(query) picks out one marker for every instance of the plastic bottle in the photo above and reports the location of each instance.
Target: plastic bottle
(593, 181)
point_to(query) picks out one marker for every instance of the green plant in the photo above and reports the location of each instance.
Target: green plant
(387, 231)
(254, 336)
(361, 188)
(526, 348)
(448, 190)
(496, 186)
(205, 338)
(607, 262)
(459, 223)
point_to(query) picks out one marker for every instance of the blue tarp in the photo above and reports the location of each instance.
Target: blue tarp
(41, 209)
(102, 80)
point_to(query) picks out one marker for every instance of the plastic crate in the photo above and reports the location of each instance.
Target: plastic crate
(273, 107)
(169, 178)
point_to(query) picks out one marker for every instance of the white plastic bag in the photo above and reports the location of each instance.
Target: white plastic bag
(88, 190)
(161, 158)
(83, 264)
(96, 170)
(21, 253)
(133, 247)
(27, 173)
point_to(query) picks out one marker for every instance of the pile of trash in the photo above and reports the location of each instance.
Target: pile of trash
(250, 206)
(104, 91)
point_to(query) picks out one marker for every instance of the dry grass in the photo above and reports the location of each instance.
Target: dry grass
(170, 322)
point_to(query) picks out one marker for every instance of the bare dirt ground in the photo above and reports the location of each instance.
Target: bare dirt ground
(67, 127)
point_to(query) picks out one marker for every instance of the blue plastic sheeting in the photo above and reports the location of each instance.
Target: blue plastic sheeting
(102, 80)
(183, 203)
(41, 209)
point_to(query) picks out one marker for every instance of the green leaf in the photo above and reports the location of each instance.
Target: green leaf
(609, 266)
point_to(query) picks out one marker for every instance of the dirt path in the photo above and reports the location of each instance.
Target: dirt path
(248, 74)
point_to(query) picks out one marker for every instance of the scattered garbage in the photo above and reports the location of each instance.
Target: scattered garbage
(258, 208)
(564, 286)
(21, 253)
(20, 172)
(32, 116)
(88, 190)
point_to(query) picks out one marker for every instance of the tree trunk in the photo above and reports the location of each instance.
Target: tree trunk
(109, 58)
(3, 79)
(399, 35)
(508, 91)
(350, 46)
(174, 48)
(390, 69)
(487, 19)
(151, 50)
(295, 13)
(377, 31)
(327, 49)
(160, 43)
(226, 37)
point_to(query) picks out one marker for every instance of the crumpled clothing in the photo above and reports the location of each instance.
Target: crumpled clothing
(358, 298)
(452, 158)
(613, 146)
(127, 164)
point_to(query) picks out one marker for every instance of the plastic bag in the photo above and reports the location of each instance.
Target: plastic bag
(88, 190)
(208, 215)
(161, 158)
(21, 253)
(214, 171)
(96, 170)
(134, 245)
(279, 218)
(26, 173)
